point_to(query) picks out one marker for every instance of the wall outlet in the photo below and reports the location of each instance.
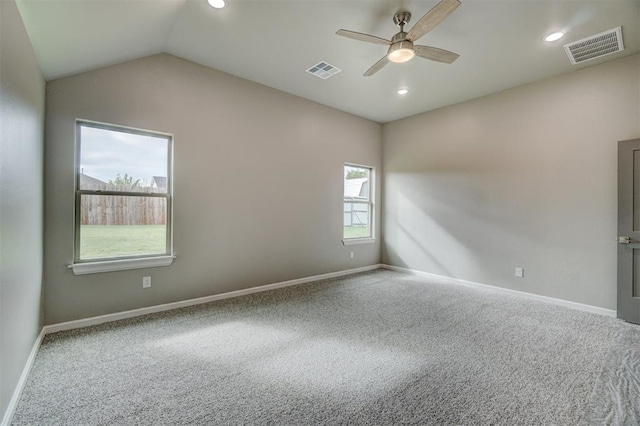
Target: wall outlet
(146, 282)
(519, 272)
(350, 255)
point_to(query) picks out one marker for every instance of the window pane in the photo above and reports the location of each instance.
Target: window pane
(356, 183)
(116, 226)
(356, 220)
(121, 161)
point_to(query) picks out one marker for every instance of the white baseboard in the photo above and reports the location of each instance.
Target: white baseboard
(573, 305)
(11, 409)
(86, 322)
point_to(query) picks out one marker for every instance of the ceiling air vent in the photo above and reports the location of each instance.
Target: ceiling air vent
(323, 70)
(595, 46)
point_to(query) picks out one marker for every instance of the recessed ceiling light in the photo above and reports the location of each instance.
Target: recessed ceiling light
(403, 91)
(218, 4)
(554, 36)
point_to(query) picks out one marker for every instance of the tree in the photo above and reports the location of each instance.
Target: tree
(354, 174)
(125, 180)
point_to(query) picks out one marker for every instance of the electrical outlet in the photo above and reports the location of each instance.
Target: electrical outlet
(146, 282)
(350, 255)
(519, 272)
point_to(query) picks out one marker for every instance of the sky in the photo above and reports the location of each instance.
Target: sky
(105, 153)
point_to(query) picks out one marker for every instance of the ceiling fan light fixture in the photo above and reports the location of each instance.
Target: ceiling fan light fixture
(217, 4)
(401, 51)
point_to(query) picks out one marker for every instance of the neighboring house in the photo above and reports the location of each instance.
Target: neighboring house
(356, 188)
(159, 182)
(88, 182)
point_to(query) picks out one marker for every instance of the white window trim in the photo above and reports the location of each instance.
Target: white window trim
(85, 268)
(354, 241)
(371, 203)
(144, 261)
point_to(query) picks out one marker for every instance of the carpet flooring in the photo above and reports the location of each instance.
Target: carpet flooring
(379, 348)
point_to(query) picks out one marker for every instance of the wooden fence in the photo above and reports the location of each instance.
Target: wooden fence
(122, 210)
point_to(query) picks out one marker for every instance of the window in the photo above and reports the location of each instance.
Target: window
(358, 204)
(123, 197)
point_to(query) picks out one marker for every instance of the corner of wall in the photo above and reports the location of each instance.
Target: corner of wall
(21, 205)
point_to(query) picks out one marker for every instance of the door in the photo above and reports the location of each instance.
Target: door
(629, 230)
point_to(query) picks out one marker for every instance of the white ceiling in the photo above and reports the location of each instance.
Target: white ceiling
(273, 42)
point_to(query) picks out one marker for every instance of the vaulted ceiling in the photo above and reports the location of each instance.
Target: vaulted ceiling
(273, 42)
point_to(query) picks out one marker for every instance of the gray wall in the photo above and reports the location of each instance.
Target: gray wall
(275, 159)
(525, 177)
(22, 91)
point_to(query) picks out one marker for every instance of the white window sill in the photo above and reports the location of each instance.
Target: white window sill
(120, 265)
(354, 241)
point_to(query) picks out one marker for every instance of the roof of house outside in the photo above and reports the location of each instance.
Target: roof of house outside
(159, 181)
(88, 182)
(356, 187)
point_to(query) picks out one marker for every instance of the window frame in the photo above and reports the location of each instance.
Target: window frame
(371, 238)
(95, 265)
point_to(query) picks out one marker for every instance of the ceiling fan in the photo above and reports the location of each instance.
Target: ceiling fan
(401, 47)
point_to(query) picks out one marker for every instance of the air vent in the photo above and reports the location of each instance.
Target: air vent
(595, 46)
(323, 70)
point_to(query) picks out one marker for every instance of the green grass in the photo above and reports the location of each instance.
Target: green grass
(355, 232)
(100, 241)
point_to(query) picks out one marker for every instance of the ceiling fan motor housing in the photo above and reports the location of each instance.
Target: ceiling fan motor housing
(400, 37)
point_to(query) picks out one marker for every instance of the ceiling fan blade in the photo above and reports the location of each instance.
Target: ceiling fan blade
(435, 54)
(363, 37)
(377, 66)
(432, 18)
